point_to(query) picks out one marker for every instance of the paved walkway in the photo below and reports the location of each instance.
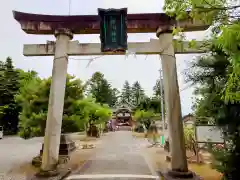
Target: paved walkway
(119, 153)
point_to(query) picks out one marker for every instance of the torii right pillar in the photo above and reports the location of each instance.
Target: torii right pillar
(179, 166)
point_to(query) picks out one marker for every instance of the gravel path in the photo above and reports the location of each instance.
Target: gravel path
(15, 151)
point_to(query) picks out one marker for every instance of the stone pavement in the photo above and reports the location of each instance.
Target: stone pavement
(119, 153)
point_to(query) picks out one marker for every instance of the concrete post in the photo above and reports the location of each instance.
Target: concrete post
(177, 144)
(56, 101)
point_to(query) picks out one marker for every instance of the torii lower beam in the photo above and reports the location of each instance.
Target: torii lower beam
(77, 49)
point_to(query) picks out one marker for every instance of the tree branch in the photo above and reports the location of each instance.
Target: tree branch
(212, 8)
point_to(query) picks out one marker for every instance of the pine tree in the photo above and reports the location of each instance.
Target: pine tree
(9, 86)
(157, 90)
(100, 89)
(137, 93)
(126, 93)
(114, 97)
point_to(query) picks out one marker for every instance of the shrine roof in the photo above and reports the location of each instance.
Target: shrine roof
(90, 24)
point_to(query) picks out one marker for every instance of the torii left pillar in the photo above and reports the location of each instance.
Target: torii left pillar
(56, 102)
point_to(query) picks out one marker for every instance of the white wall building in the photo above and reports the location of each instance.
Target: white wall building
(189, 120)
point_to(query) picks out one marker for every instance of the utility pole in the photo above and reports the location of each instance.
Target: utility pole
(69, 7)
(162, 100)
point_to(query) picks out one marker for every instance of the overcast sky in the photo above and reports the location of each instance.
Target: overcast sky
(116, 69)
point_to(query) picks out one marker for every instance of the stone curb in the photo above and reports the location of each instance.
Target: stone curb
(62, 175)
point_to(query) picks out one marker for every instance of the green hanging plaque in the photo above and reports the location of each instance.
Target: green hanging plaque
(113, 29)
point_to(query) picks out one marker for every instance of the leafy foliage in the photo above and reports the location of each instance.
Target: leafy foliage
(137, 93)
(221, 157)
(89, 113)
(150, 104)
(223, 16)
(157, 89)
(190, 140)
(211, 74)
(9, 85)
(100, 89)
(77, 114)
(144, 117)
(33, 99)
(126, 94)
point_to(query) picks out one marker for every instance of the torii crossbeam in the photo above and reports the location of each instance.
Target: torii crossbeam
(85, 49)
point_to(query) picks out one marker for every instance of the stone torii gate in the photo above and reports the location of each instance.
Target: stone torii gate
(63, 27)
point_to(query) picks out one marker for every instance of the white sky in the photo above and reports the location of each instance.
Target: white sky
(116, 69)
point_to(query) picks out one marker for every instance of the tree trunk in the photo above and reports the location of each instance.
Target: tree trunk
(86, 128)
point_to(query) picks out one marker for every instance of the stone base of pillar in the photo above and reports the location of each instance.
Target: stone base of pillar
(67, 145)
(50, 173)
(177, 175)
(168, 158)
(57, 174)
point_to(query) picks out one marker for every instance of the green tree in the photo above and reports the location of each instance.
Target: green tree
(114, 97)
(25, 77)
(190, 139)
(140, 115)
(137, 93)
(97, 115)
(144, 117)
(89, 114)
(223, 17)
(126, 94)
(150, 104)
(79, 113)
(33, 99)
(211, 74)
(157, 89)
(101, 90)
(9, 85)
(145, 104)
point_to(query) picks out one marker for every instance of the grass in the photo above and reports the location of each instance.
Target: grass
(205, 171)
(138, 135)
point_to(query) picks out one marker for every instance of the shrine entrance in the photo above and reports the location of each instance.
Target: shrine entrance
(124, 117)
(113, 35)
(122, 113)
